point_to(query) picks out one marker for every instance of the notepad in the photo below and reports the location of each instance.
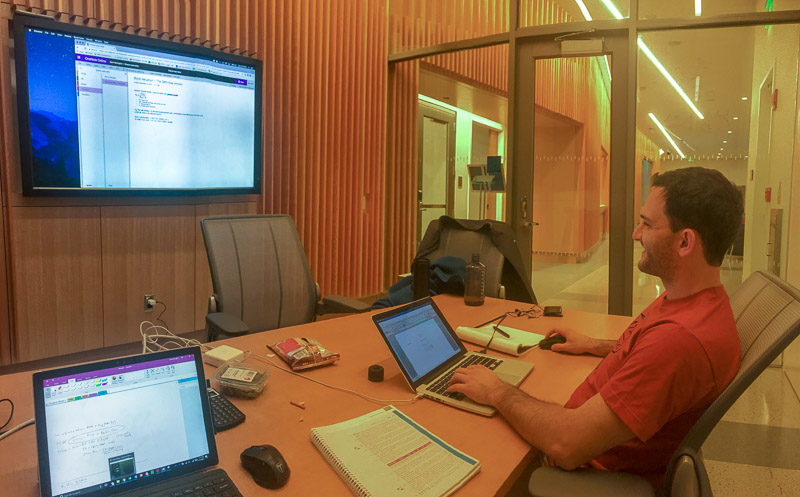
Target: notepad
(518, 343)
(386, 453)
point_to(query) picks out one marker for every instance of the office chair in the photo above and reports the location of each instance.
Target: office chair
(493, 240)
(260, 277)
(767, 312)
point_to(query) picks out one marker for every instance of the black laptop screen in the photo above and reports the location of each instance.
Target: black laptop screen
(419, 340)
(119, 425)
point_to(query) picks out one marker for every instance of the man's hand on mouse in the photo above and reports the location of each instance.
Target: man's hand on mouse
(577, 343)
(479, 383)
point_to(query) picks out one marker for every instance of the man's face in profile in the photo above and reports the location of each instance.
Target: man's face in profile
(656, 237)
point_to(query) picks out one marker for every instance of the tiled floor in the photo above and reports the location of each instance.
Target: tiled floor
(755, 449)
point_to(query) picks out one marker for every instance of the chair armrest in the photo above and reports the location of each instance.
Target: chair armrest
(554, 482)
(227, 324)
(339, 303)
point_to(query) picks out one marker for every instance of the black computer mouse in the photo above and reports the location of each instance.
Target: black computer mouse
(266, 465)
(552, 340)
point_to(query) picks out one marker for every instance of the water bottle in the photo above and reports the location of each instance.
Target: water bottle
(419, 271)
(475, 278)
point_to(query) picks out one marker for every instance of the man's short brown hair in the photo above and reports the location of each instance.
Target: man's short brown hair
(705, 201)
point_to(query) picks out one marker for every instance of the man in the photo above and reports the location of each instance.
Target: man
(667, 367)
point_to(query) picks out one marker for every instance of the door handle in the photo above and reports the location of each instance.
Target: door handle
(529, 223)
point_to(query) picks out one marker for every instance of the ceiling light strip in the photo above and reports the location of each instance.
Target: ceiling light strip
(618, 15)
(644, 48)
(478, 119)
(584, 10)
(666, 135)
(613, 9)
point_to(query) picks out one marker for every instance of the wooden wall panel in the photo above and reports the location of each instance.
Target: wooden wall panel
(147, 249)
(202, 274)
(56, 275)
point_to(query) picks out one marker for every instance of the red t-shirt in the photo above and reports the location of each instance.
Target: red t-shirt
(669, 365)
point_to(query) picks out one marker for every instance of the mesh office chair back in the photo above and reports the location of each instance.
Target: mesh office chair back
(462, 243)
(259, 270)
(767, 313)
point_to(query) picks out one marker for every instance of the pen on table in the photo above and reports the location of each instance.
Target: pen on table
(497, 327)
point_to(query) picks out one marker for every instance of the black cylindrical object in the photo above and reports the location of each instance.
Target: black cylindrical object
(419, 271)
(375, 373)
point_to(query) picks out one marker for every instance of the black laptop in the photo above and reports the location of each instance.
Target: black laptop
(134, 426)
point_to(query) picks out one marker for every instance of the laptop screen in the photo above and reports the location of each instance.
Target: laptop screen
(419, 338)
(118, 425)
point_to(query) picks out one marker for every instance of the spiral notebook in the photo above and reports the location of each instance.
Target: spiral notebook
(386, 453)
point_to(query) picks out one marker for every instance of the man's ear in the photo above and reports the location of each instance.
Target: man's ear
(688, 242)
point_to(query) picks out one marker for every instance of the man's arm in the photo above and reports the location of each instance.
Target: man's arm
(578, 343)
(570, 437)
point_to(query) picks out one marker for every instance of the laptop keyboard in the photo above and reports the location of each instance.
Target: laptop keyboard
(440, 385)
(214, 483)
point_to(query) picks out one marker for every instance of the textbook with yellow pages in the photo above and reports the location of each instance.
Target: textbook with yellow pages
(386, 453)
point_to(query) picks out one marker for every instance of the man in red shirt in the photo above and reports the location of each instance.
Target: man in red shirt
(668, 366)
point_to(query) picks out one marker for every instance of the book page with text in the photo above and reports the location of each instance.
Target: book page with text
(389, 454)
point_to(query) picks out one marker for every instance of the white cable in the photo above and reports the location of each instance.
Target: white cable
(150, 343)
(169, 340)
(341, 389)
(17, 428)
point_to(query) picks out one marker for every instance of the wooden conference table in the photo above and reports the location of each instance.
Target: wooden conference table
(271, 419)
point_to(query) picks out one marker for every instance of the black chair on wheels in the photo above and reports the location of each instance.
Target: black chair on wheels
(261, 278)
(493, 240)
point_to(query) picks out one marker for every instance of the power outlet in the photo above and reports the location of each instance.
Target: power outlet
(149, 302)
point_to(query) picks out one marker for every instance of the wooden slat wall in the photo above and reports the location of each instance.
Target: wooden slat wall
(325, 67)
(401, 171)
(541, 12)
(324, 106)
(439, 21)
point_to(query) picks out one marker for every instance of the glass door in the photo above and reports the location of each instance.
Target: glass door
(570, 165)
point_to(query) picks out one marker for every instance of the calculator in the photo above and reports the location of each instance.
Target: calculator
(225, 414)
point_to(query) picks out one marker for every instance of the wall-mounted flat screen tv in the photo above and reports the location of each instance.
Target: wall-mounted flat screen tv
(103, 113)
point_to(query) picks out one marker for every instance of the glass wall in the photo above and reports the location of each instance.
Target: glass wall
(710, 100)
(659, 9)
(539, 12)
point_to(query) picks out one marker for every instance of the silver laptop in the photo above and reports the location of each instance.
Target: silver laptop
(136, 426)
(428, 352)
